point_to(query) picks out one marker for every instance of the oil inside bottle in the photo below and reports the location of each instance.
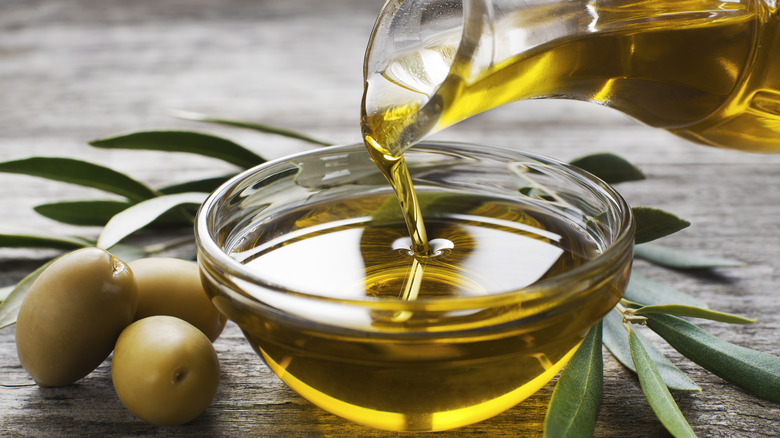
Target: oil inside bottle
(705, 70)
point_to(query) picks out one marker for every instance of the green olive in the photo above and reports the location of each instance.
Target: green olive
(165, 370)
(72, 315)
(168, 286)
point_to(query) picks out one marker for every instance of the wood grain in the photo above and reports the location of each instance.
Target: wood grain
(78, 70)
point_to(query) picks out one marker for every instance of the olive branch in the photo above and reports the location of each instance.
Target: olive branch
(577, 396)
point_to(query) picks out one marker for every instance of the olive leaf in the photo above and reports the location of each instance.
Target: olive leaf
(197, 117)
(206, 185)
(81, 173)
(99, 212)
(183, 141)
(679, 259)
(142, 214)
(9, 308)
(615, 338)
(87, 213)
(656, 392)
(648, 292)
(609, 167)
(654, 223)
(754, 371)
(4, 292)
(576, 400)
(691, 311)
(13, 236)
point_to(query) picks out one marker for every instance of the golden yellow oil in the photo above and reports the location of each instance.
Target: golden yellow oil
(706, 70)
(432, 367)
(397, 174)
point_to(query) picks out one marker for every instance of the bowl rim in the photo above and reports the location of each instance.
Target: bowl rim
(210, 254)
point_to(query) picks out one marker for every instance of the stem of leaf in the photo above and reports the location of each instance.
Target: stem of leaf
(628, 315)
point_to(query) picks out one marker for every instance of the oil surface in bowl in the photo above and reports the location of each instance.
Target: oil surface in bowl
(431, 367)
(358, 247)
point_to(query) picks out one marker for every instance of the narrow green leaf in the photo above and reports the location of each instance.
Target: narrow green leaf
(615, 338)
(609, 167)
(183, 141)
(652, 223)
(142, 214)
(80, 173)
(9, 308)
(576, 400)
(754, 371)
(4, 292)
(648, 292)
(206, 185)
(98, 213)
(13, 236)
(679, 259)
(86, 213)
(197, 117)
(694, 312)
(656, 393)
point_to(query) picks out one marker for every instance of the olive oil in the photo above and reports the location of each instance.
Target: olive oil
(706, 70)
(394, 169)
(482, 246)
(429, 368)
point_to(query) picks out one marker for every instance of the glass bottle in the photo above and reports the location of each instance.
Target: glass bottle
(706, 70)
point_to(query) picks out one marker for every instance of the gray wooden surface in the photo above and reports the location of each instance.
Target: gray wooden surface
(72, 71)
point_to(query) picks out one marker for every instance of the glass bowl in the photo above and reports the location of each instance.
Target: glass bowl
(284, 251)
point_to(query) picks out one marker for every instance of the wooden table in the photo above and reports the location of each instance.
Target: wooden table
(72, 71)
